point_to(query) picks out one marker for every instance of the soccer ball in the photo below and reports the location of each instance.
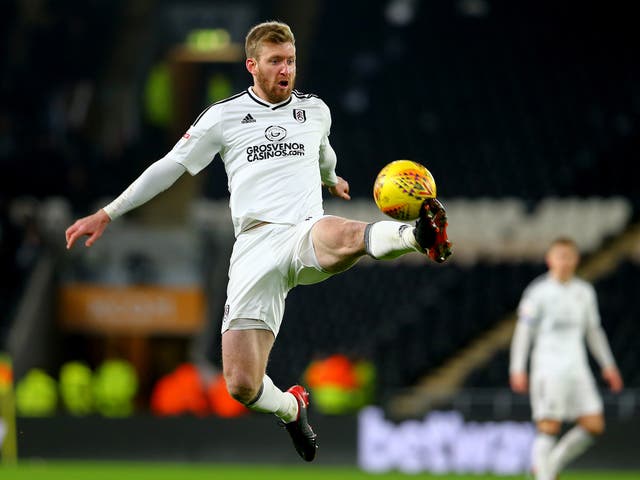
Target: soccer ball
(401, 187)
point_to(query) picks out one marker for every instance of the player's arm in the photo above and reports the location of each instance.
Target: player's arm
(337, 186)
(193, 152)
(599, 346)
(155, 179)
(520, 344)
(601, 351)
(528, 317)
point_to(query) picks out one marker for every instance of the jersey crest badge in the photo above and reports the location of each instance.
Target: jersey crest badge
(300, 115)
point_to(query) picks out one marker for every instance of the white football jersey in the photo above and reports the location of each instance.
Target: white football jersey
(559, 315)
(271, 153)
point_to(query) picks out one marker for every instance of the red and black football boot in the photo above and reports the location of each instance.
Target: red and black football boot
(431, 230)
(304, 439)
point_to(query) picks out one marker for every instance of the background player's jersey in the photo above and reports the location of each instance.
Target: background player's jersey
(559, 315)
(271, 154)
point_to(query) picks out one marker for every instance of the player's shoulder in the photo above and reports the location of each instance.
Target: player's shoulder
(538, 283)
(215, 111)
(583, 284)
(310, 99)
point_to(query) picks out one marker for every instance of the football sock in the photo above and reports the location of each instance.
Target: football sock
(271, 399)
(387, 240)
(571, 445)
(542, 446)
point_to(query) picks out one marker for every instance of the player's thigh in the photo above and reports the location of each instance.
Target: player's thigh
(549, 426)
(587, 404)
(338, 242)
(245, 354)
(594, 423)
(258, 278)
(549, 398)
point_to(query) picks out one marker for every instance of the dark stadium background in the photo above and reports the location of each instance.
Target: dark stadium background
(532, 104)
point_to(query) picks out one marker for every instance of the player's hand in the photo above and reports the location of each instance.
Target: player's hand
(340, 189)
(613, 378)
(91, 226)
(519, 382)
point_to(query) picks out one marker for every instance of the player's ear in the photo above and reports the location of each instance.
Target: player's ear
(251, 65)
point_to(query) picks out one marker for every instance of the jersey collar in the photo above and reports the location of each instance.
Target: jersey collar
(272, 106)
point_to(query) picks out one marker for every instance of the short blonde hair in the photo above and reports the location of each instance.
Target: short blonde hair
(565, 242)
(272, 32)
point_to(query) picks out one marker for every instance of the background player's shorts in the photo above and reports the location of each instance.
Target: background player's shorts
(564, 398)
(266, 263)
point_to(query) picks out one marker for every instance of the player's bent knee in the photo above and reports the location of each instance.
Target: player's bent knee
(241, 387)
(595, 425)
(550, 427)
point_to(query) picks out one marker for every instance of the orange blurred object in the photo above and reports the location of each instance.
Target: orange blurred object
(336, 370)
(180, 392)
(222, 403)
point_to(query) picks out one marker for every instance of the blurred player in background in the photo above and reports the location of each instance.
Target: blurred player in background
(558, 312)
(274, 143)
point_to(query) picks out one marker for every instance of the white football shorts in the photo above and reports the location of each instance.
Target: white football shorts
(564, 398)
(267, 262)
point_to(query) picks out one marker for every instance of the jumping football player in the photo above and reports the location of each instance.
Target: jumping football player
(559, 311)
(274, 142)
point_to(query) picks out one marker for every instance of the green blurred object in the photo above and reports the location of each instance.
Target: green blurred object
(333, 400)
(218, 88)
(340, 385)
(115, 385)
(208, 39)
(8, 440)
(158, 96)
(365, 372)
(36, 394)
(75, 388)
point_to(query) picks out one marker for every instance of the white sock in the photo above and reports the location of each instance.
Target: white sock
(571, 445)
(542, 446)
(386, 240)
(273, 400)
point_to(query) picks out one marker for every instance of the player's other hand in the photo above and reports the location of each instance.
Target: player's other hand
(340, 189)
(91, 226)
(519, 382)
(613, 378)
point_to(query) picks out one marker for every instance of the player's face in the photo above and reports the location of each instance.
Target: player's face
(562, 261)
(274, 71)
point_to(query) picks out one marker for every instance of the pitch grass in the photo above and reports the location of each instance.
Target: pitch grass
(160, 471)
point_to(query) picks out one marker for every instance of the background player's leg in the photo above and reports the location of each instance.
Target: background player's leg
(543, 446)
(339, 243)
(244, 360)
(575, 442)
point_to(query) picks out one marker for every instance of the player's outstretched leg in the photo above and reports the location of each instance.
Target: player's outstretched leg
(386, 240)
(431, 230)
(302, 435)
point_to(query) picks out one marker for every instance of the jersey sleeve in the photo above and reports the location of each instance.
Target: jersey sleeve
(596, 337)
(328, 158)
(593, 312)
(529, 310)
(155, 179)
(520, 345)
(200, 144)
